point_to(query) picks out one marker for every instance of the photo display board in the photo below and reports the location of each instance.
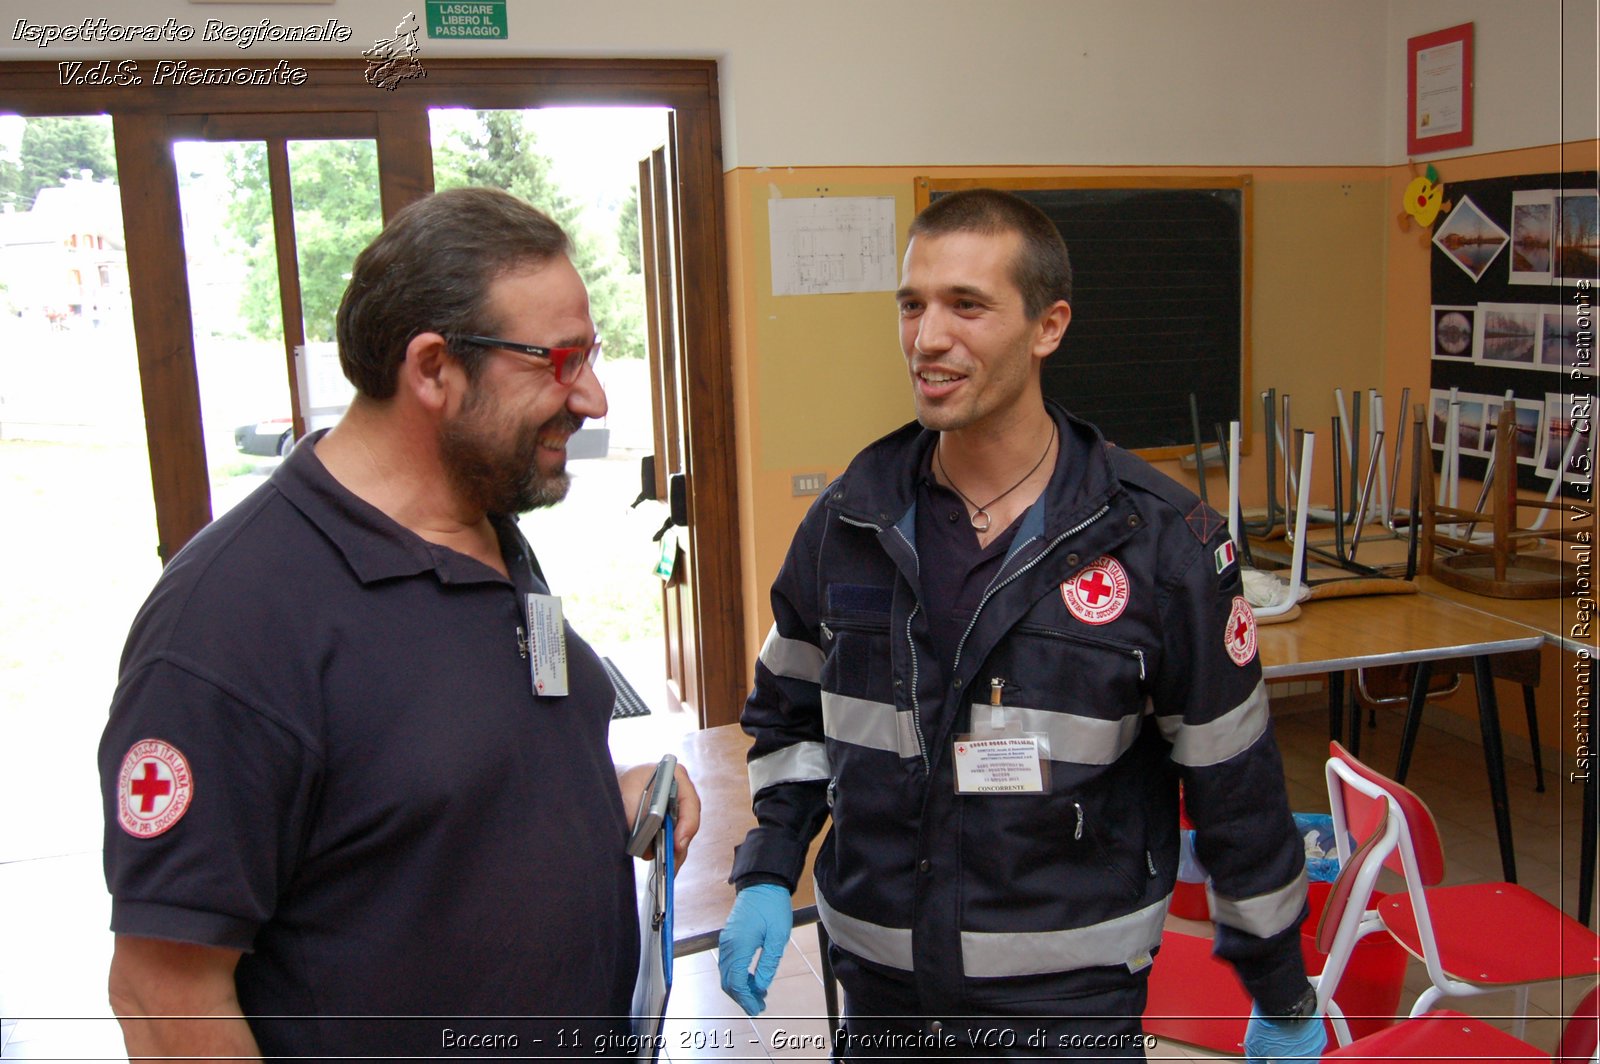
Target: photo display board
(1514, 269)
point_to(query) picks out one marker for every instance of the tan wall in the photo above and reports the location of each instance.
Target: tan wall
(1340, 299)
(818, 377)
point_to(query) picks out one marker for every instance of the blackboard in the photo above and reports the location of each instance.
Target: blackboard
(1160, 304)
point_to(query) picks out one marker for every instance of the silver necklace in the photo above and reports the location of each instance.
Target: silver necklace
(983, 511)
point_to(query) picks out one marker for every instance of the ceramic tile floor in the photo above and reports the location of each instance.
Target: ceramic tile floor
(53, 912)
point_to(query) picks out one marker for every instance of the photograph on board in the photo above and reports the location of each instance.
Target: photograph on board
(1453, 333)
(1577, 237)
(1470, 239)
(1508, 334)
(1568, 439)
(1532, 212)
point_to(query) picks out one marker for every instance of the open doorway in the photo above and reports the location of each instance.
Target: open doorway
(78, 531)
(579, 165)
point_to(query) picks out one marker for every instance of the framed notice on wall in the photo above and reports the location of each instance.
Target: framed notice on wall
(1439, 90)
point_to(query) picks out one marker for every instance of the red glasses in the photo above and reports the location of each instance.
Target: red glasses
(565, 362)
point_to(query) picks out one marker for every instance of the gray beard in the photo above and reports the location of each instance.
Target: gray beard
(501, 479)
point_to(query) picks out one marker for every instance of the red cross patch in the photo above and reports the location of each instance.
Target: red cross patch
(1098, 593)
(154, 788)
(1240, 638)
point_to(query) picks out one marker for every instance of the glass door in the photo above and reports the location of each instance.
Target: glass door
(270, 230)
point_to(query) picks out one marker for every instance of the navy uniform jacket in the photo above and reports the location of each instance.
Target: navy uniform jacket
(1118, 629)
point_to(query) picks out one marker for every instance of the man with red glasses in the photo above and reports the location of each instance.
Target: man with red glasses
(358, 795)
(999, 644)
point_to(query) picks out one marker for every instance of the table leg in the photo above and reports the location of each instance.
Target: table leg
(1353, 716)
(1587, 851)
(1495, 761)
(1408, 737)
(1336, 706)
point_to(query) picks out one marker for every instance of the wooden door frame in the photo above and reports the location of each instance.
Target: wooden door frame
(144, 118)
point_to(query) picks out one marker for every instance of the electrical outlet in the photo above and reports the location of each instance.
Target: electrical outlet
(809, 483)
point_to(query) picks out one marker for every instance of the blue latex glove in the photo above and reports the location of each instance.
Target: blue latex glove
(762, 918)
(1267, 1041)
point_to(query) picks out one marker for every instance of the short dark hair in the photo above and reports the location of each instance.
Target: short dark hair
(430, 271)
(1042, 270)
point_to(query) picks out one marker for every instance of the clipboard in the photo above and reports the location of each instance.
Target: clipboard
(654, 983)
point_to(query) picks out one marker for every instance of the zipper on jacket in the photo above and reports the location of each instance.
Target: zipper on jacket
(1077, 833)
(916, 701)
(1041, 556)
(1128, 649)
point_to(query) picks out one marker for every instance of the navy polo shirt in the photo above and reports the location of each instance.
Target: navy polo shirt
(324, 750)
(953, 569)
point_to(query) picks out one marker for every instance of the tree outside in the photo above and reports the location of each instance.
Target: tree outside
(53, 150)
(500, 150)
(337, 182)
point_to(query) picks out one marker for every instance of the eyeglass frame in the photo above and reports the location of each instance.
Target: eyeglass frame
(559, 357)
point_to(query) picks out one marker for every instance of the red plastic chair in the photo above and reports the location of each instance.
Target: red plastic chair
(1345, 917)
(1474, 939)
(1445, 1036)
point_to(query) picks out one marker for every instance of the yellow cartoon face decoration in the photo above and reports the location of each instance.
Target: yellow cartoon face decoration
(1423, 197)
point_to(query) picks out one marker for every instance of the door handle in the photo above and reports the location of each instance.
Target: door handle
(647, 480)
(678, 499)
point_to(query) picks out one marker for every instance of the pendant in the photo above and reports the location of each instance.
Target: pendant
(986, 520)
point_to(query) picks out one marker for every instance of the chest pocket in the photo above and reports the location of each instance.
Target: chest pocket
(856, 643)
(1053, 670)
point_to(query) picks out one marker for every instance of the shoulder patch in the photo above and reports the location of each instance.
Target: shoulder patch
(1097, 593)
(1204, 522)
(1225, 556)
(154, 788)
(1240, 637)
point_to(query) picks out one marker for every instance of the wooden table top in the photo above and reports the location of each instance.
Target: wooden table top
(715, 758)
(1361, 632)
(1557, 618)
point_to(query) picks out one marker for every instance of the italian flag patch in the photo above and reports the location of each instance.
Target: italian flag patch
(1225, 556)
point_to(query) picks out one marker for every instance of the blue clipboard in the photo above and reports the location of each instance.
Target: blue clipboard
(654, 983)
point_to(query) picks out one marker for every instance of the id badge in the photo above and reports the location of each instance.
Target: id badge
(547, 646)
(999, 766)
(998, 757)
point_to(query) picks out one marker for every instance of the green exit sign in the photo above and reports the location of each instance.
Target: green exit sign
(478, 20)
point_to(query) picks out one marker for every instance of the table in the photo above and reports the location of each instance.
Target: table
(1332, 636)
(1329, 637)
(702, 895)
(1552, 617)
(715, 758)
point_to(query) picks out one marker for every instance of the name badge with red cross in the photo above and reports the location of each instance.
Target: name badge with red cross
(1240, 638)
(154, 788)
(1098, 593)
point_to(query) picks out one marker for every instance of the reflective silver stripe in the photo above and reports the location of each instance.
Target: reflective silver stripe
(1264, 914)
(881, 945)
(1073, 738)
(986, 954)
(794, 658)
(802, 761)
(866, 723)
(1198, 745)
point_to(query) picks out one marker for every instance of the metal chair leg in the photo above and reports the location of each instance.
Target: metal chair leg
(830, 997)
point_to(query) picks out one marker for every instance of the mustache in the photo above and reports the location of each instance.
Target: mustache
(566, 422)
